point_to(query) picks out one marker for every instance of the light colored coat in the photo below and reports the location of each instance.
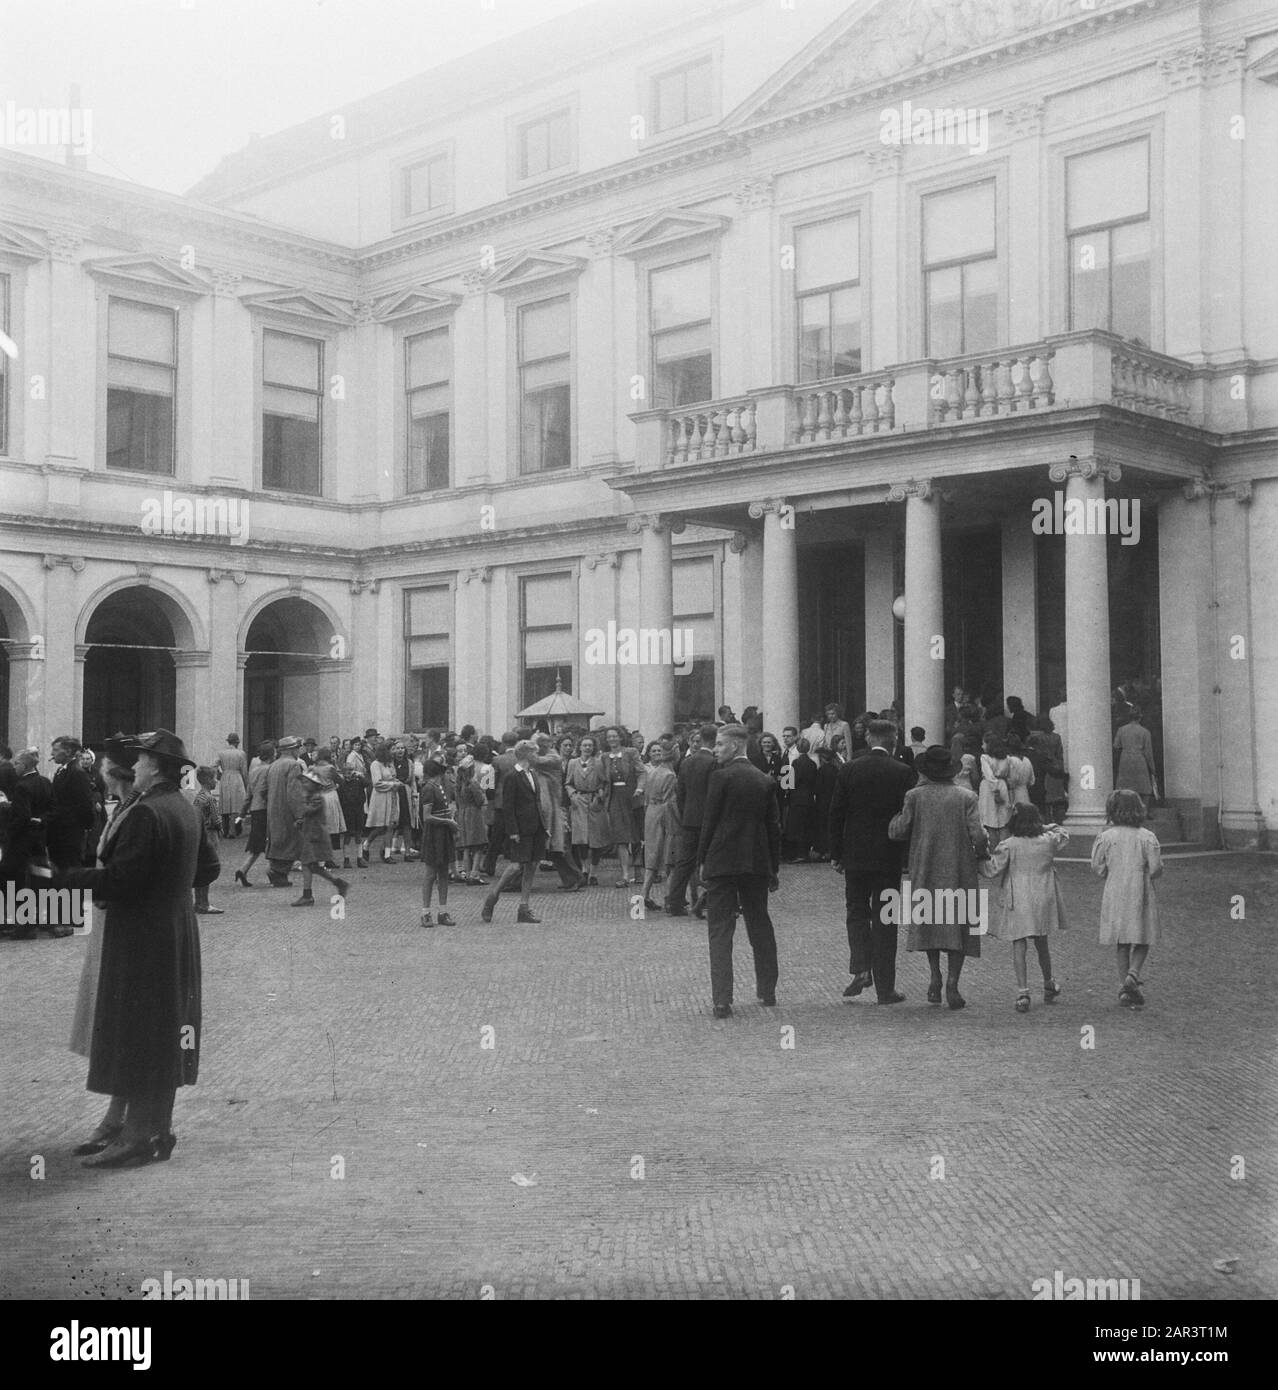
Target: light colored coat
(1127, 857)
(943, 825)
(1032, 904)
(285, 806)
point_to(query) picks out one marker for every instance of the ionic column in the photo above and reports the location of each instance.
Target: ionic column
(779, 618)
(656, 611)
(924, 607)
(1020, 609)
(1087, 688)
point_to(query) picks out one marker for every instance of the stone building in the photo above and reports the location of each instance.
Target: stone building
(760, 324)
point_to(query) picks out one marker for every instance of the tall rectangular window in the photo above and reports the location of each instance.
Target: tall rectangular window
(428, 627)
(679, 323)
(427, 364)
(683, 95)
(545, 386)
(141, 380)
(544, 144)
(693, 582)
(1107, 195)
(547, 610)
(292, 402)
(828, 285)
(4, 367)
(424, 186)
(960, 258)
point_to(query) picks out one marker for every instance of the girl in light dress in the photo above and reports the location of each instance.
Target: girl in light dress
(1127, 857)
(1020, 772)
(993, 795)
(383, 801)
(587, 788)
(1030, 904)
(660, 818)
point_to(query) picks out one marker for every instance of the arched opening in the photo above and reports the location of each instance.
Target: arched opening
(130, 679)
(286, 689)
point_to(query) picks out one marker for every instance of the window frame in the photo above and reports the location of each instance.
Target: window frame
(927, 268)
(795, 226)
(652, 268)
(311, 333)
(646, 93)
(415, 328)
(515, 126)
(447, 582)
(400, 169)
(539, 292)
(712, 551)
(569, 566)
(665, 256)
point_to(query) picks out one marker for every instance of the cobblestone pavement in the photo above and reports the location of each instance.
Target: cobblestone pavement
(889, 1152)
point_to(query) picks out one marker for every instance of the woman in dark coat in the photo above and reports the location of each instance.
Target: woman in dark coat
(800, 806)
(146, 1025)
(827, 779)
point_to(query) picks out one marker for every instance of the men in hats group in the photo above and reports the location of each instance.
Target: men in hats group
(869, 792)
(739, 858)
(942, 822)
(147, 1020)
(285, 810)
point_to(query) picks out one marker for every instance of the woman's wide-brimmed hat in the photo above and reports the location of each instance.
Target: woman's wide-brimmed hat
(936, 764)
(163, 743)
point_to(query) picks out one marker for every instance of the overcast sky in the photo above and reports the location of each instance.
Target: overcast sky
(173, 85)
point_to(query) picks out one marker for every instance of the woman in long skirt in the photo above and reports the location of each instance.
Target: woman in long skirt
(660, 819)
(383, 800)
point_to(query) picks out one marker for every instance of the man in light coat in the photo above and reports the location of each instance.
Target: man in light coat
(285, 809)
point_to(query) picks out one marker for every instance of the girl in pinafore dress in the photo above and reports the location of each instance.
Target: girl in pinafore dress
(1031, 905)
(439, 843)
(1127, 857)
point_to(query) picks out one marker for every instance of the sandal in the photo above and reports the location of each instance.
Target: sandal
(1130, 993)
(1023, 1002)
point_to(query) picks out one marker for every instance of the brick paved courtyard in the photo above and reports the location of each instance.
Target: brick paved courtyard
(673, 1155)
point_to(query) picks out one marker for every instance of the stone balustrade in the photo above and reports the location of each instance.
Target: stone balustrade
(1067, 371)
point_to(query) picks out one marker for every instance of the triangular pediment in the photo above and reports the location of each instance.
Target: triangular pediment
(302, 304)
(663, 228)
(19, 244)
(156, 272)
(884, 45)
(530, 266)
(418, 299)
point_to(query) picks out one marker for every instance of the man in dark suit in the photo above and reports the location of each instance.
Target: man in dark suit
(739, 857)
(503, 765)
(526, 832)
(869, 792)
(690, 798)
(71, 815)
(32, 797)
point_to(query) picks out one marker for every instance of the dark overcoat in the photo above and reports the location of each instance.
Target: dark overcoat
(146, 1026)
(285, 806)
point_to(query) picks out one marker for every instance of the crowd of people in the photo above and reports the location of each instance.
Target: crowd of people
(704, 815)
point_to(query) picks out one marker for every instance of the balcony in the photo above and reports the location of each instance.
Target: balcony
(1062, 372)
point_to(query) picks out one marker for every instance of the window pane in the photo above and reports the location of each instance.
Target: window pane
(428, 358)
(546, 646)
(1131, 294)
(430, 400)
(535, 146)
(693, 584)
(290, 454)
(1089, 280)
(140, 330)
(814, 337)
(980, 306)
(700, 90)
(289, 361)
(680, 294)
(139, 431)
(682, 342)
(845, 316)
(548, 599)
(828, 253)
(544, 330)
(297, 405)
(428, 698)
(430, 611)
(140, 376)
(959, 223)
(428, 466)
(546, 374)
(682, 382)
(426, 185)
(944, 314)
(539, 681)
(694, 694)
(560, 152)
(669, 103)
(1108, 185)
(545, 440)
(428, 651)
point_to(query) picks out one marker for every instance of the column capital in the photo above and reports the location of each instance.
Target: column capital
(600, 242)
(1024, 118)
(74, 562)
(478, 574)
(656, 522)
(608, 559)
(767, 506)
(914, 487)
(1203, 64)
(1196, 489)
(63, 244)
(82, 650)
(364, 310)
(215, 576)
(226, 283)
(193, 658)
(364, 581)
(473, 282)
(1093, 466)
(885, 161)
(1240, 492)
(738, 542)
(242, 660)
(754, 191)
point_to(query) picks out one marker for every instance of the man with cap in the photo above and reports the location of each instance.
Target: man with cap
(739, 858)
(147, 1022)
(285, 808)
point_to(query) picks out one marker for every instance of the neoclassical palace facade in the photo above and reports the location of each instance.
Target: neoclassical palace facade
(775, 325)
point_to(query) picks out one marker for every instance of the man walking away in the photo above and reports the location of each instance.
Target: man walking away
(690, 799)
(739, 857)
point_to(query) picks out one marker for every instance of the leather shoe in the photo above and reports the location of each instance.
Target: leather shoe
(769, 1001)
(859, 983)
(723, 1011)
(486, 912)
(676, 912)
(896, 997)
(133, 1155)
(526, 914)
(98, 1141)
